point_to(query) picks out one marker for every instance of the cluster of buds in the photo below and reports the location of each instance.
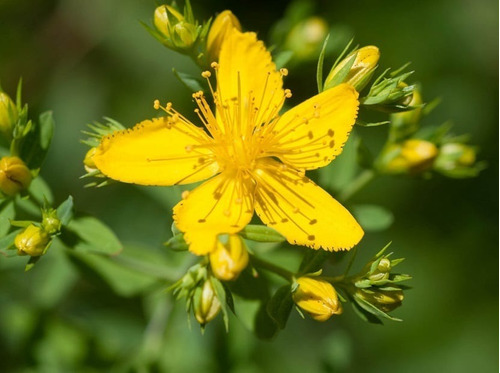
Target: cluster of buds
(36, 238)
(375, 291)
(316, 297)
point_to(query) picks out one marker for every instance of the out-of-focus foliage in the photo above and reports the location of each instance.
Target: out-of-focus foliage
(87, 60)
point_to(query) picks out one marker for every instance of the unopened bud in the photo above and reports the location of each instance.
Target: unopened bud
(227, 261)
(166, 16)
(50, 222)
(178, 34)
(412, 156)
(32, 241)
(455, 155)
(306, 37)
(222, 25)
(206, 303)
(88, 161)
(14, 175)
(407, 122)
(8, 115)
(317, 297)
(365, 63)
(384, 300)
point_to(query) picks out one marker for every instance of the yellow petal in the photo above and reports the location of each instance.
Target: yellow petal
(157, 152)
(221, 205)
(247, 79)
(301, 211)
(313, 133)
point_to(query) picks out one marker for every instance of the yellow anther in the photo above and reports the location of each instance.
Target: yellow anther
(288, 93)
(283, 71)
(214, 65)
(185, 194)
(206, 74)
(156, 104)
(169, 106)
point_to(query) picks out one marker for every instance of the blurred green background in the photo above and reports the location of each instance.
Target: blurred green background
(89, 59)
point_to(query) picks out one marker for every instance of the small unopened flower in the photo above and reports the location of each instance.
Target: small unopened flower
(455, 155)
(50, 222)
(14, 175)
(306, 37)
(407, 122)
(206, 303)
(8, 115)
(178, 33)
(365, 63)
(32, 241)
(412, 156)
(222, 25)
(384, 300)
(318, 298)
(88, 161)
(228, 260)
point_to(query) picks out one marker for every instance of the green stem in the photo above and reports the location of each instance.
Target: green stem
(280, 271)
(363, 179)
(333, 280)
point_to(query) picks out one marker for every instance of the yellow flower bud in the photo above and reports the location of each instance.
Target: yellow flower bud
(221, 26)
(206, 304)
(409, 120)
(306, 37)
(88, 161)
(227, 261)
(14, 175)
(365, 63)
(384, 300)
(166, 16)
(455, 155)
(32, 241)
(412, 156)
(8, 115)
(318, 298)
(184, 35)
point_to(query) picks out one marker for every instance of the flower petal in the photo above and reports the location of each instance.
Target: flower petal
(157, 152)
(248, 84)
(221, 205)
(313, 133)
(300, 210)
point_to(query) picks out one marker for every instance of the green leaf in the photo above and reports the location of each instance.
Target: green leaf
(31, 262)
(34, 146)
(7, 213)
(265, 327)
(342, 74)
(319, 69)
(88, 234)
(261, 233)
(280, 306)
(177, 243)
(372, 217)
(65, 211)
(225, 299)
(282, 58)
(192, 83)
(7, 242)
(365, 315)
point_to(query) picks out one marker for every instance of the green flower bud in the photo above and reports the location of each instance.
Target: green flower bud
(50, 222)
(412, 156)
(306, 37)
(32, 241)
(177, 33)
(8, 115)
(360, 72)
(384, 300)
(14, 175)
(206, 303)
(318, 298)
(455, 155)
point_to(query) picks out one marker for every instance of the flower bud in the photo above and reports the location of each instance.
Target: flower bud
(365, 63)
(306, 37)
(227, 261)
(32, 241)
(219, 30)
(406, 123)
(206, 303)
(8, 115)
(318, 298)
(177, 32)
(384, 300)
(165, 16)
(14, 175)
(50, 222)
(88, 161)
(455, 155)
(412, 156)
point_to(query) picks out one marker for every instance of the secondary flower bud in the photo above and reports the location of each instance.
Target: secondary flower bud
(384, 300)
(407, 122)
(50, 222)
(221, 26)
(306, 37)
(412, 156)
(455, 155)
(166, 16)
(178, 34)
(318, 298)
(8, 115)
(227, 261)
(206, 303)
(32, 241)
(365, 63)
(14, 175)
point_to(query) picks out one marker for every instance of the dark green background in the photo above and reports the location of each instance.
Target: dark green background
(89, 59)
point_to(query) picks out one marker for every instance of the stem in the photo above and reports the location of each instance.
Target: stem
(280, 271)
(333, 280)
(363, 179)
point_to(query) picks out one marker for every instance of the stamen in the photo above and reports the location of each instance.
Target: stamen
(206, 74)
(156, 104)
(283, 71)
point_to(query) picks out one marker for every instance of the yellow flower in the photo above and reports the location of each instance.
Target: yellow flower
(14, 175)
(227, 261)
(259, 156)
(32, 241)
(318, 298)
(222, 26)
